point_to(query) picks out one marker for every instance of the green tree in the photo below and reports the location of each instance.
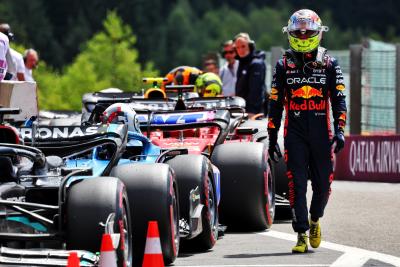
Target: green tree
(181, 36)
(107, 60)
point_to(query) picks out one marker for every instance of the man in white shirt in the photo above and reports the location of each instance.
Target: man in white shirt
(229, 70)
(4, 48)
(31, 59)
(19, 70)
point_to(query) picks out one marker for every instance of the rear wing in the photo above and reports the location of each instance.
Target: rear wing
(191, 99)
(60, 134)
(169, 103)
(66, 140)
(181, 120)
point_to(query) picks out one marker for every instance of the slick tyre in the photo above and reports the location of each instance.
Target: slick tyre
(247, 186)
(278, 169)
(89, 203)
(153, 189)
(196, 171)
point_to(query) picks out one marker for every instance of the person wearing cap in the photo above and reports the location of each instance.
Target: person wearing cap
(18, 74)
(228, 72)
(250, 83)
(31, 59)
(308, 82)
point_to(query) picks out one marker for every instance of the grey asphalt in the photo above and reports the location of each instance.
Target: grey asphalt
(361, 215)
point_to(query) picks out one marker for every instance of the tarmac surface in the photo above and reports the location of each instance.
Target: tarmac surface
(360, 228)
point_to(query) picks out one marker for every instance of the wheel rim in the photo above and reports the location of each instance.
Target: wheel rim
(212, 206)
(271, 195)
(175, 220)
(127, 247)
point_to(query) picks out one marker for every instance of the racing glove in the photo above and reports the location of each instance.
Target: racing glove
(338, 140)
(273, 150)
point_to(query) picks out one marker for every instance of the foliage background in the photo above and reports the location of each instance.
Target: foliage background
(94, 44)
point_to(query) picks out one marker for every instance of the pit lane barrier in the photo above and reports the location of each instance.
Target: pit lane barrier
(153, 256)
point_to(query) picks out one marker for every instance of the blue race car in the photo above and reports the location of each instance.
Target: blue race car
(149, 175)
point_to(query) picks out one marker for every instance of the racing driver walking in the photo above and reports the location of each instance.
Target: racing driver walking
(306, 82)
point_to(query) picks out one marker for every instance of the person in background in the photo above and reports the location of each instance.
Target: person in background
(31, 59)
(211, 65)
(4, 48)
(228, 72)
(250, 83)
(207, 84)
(18, 74)
(307, 81)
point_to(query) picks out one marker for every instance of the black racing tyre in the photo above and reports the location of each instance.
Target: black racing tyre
(282, 209)
(153, 189)
(247, 186)
(196, 171)
(89, 203)
(282, 187)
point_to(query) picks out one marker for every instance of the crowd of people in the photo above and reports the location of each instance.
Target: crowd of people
(242, 74)
(14, 65)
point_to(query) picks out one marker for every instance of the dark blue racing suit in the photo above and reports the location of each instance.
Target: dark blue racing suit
(307, 90)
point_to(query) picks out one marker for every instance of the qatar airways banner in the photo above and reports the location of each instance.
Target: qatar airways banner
(369, 158)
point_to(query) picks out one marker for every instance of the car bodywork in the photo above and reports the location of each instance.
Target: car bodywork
(33, 200)
(240, 128)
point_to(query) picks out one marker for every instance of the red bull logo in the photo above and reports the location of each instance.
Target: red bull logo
(307, 92)
(307, 105)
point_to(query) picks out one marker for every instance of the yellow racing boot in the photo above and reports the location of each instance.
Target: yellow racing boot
(315, 234)
(301, 246)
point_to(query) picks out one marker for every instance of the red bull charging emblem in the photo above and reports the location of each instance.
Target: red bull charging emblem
(307, 92)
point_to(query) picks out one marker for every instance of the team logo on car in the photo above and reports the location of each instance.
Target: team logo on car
(59, 132)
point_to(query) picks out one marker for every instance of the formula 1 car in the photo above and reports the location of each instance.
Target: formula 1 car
(186, 99)
(48, 203)
(247, 182)
(80, 208)
(198, 180)
(150, 183)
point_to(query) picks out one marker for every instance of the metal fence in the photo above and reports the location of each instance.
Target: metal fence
(375, 77)
(378, 91)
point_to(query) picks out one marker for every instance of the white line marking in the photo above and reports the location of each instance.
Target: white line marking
(349, 259)
(358, 255)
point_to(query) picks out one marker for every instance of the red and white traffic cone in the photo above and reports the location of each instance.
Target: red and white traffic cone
(108, 257)
(73, 259)
(152, 253)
